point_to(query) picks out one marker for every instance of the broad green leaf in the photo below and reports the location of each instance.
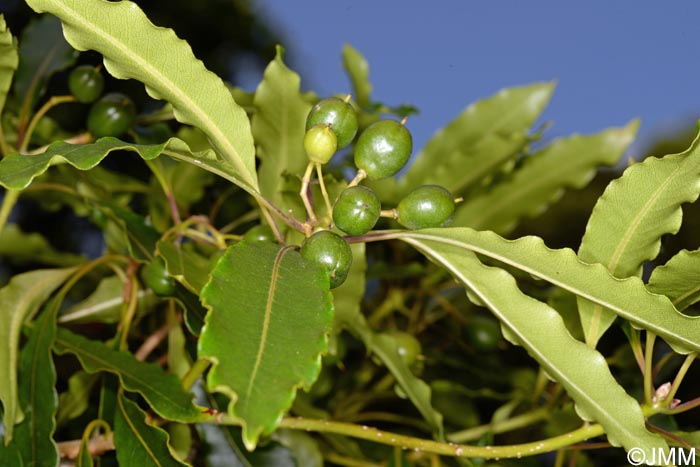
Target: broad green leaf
(163, 391)
(358, 70)
(484, 136)
(582, 371)
(628, 297)
(19, 247)
(566, 163)
(19, 301)
(184, 264)
(270, 313)
(629, 219)
(134, 48)
(138, 442)
(9, 58)
(279, 125)
(678, 279)
(347, 299)
(37, 395)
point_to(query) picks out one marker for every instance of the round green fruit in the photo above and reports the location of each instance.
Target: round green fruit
(383, 148)
(407, 346)
(85, 83)
(331, 252)
(259, 233)
(357, 210)
(484, 333)
(337, 113)
(155, 277)
(320, 143)
(425, 207)
(111, 116)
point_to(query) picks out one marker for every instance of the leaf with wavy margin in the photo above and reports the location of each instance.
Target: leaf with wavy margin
(582, 371)
(134, 48)
(629, 219)
(678, 279)
(9, 59)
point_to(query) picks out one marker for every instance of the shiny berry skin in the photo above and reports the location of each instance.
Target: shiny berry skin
(337, 113)
(484, 333)
(320, 143)
(383, 148)
(425, 207)
(357, 210)
(86, 83)
(331, 252)
(259, 233)
(155, 277)
(111, 116)
(407, 346)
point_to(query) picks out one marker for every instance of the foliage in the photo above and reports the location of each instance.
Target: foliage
(256, 354)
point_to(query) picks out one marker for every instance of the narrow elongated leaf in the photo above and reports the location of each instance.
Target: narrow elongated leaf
(566, 163)
(9, 58)
(279, 125)
(134, 48)
(162, 391)
(582, 371)
(628, 297)
(21, 247)
(137, 442)
(678, 279)
(479, 140)
(358, 70)
(629, 219)
(74, 401)
(37, 378)
(270, 312)
(19, 300)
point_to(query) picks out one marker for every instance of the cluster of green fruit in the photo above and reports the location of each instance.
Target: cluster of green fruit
(112, 114)
(381, 150)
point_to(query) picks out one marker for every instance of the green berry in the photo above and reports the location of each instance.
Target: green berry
(155, 276)
(331, 252)
(337, 113)
(320, 143)
(259, 233)
(484, 333)
(357, 210)
(111, 116)
(425, 207)
(407, 346)
(383, 148)
(85, 83)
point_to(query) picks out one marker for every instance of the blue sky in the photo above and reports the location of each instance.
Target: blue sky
(613, 60)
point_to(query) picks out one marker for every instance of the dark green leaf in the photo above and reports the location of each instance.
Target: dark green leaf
(183, 263)
(270, 312)
(358, 70)
(678, 279)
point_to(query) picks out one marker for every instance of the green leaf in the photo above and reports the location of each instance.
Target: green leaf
(137, 442)
(279, 125)
(629, 219)
(19, 247)
(184, 264)
(678, 279)
(479, 140)
(582, 371)
(74, 401)
(134, 48)
(358, 70)
(269, 316)
(628, 297)
(163, 391)
(566, 163)
(37, 378)
(9, 58)
(19, 301)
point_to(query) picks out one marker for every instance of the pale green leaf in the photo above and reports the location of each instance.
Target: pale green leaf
(21, 247)
(19, 300)
(137, 442)
(566, 163)
(9, 58)
(358, 70)
(582, 371)
(163, 391)
(134, 48)
(629, 219)
(270, 313)
(279, 125)
(678, 279)
(74, 401)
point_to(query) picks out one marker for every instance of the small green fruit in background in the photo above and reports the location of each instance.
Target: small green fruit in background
(337, 113)
(320, 143)
(259, 233)
(86, 83)
(425, 207)
(407, 346)
(383, 148)
(155, 277)
(111, 116)
(484, 333)
(330, 251)
(357, 210)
